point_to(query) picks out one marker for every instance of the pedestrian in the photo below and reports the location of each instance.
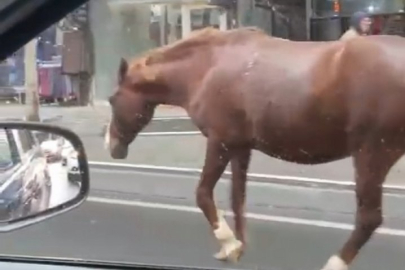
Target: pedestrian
(360, 25)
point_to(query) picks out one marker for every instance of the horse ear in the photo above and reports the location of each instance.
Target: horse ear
(122, 71)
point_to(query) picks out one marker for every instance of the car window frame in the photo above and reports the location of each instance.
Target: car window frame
(23, 20)
(15, 159)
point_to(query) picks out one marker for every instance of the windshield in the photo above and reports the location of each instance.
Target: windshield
(145, 205)
(5, 3)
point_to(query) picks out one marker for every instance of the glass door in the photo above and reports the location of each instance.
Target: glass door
(171, 22)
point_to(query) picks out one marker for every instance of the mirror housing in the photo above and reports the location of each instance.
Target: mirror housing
(43, 173)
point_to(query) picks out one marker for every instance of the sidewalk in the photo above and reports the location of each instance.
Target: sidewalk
(85, 121)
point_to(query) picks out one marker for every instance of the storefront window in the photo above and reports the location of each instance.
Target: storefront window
(128, 28)
(372, 6)
(324, 8)
(285, 20)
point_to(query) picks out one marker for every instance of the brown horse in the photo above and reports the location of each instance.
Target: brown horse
(303, 102)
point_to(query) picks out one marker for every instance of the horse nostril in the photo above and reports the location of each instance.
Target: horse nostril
(105, 145)
(119, 151)
(104, 129)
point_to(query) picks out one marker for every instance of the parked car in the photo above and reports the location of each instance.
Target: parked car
(58, 149)
(70, 159)
(52, 149)
(25, 184)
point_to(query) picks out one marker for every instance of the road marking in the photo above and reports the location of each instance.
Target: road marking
(261, 217)
(170, 118)
(169, 133)
(221, 180)
(305, 180)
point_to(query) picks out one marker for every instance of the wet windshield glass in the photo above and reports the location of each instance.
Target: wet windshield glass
(278, 99)
(5, 3)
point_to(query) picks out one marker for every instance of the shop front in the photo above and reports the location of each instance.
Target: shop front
(329, 19)
(127, 28)
(280, 18)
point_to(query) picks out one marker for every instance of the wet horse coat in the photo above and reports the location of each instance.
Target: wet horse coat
(302, 102)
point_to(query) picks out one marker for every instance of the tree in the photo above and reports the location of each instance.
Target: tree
(31, 81)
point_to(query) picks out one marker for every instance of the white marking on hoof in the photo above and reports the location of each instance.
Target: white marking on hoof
(231, 248)
(224, 232)
(335, 263)
(231, 251)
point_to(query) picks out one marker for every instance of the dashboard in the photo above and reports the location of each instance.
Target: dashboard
(34, 266)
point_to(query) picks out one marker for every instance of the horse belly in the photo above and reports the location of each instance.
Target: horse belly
(304, 146)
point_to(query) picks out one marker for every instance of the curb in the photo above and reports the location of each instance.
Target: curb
(51, 119)
(261, 178)
(43, 119)
(158, 119)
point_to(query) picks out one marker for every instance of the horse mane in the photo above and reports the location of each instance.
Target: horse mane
(176, 50)
(184, 47)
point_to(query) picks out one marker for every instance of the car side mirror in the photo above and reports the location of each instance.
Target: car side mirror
(35, 181)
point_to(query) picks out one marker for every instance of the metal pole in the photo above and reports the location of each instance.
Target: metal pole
(308, 16)
(31, 81)
(185, 21)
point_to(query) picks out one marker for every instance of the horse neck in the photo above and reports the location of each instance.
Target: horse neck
(183, 79)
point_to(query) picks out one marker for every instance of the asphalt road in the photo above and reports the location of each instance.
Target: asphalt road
(150, 218)
(171, 125)
(189, 152)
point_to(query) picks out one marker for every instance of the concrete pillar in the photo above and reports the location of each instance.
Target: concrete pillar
(31, 81)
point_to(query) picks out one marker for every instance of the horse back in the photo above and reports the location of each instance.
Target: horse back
(311, 96)
(372, 73)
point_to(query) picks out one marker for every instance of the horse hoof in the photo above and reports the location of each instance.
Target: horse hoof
(230, 252)
(335, 263)
(221, 255)
(236, 254)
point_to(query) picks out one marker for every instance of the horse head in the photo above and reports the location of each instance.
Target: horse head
(147, 82)
(133, 105)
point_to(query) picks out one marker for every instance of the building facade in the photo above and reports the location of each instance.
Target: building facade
(330, 18)
(126, 28)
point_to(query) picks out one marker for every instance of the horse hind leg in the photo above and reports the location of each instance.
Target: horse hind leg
(240, 165)
(372, 164)
(216, 160)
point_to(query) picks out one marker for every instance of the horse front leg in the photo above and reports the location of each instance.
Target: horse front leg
(371, 169)
(216, 159)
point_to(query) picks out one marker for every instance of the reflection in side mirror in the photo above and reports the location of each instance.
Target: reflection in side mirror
(41, 173)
